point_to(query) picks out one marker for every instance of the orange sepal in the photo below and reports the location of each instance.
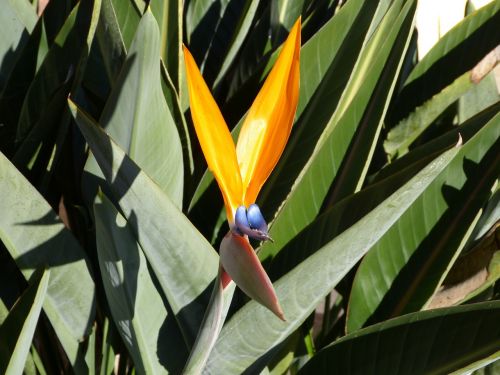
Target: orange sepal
(214, 137)
(267, 126)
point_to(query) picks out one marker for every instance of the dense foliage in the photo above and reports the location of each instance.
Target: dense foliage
(383, 208)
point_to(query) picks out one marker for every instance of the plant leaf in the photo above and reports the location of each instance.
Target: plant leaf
(211, 326)
(436, 341)
(128, 17)
(182, 260)
(137, 117)
(247, 15)
(35, 236)
(168, 14)
(409, 129)
(403, 271)
(136, 306)
(18, 328)
(347, 212)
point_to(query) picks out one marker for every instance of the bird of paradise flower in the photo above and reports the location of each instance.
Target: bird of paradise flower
(241, 171)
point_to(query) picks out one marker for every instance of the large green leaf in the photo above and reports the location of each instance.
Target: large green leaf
(182, 260)
(284, 13)
(403, 271)
(428, 342)
(17, 330)
(428, 151)
(343, 151)
(137, 117)
(136, 305)
(242, 341)
(35, 236)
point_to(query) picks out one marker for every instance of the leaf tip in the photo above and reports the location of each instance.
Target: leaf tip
(460, 141)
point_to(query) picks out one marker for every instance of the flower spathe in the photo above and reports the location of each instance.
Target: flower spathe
(241, 171)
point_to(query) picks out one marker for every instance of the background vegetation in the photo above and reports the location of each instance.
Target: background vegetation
(384, 207)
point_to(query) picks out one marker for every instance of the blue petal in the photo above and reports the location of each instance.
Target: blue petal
(243, 227)
(255, 218)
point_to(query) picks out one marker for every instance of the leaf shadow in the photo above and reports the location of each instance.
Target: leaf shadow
(419, 277)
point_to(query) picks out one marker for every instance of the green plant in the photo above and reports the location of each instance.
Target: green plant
(382, 208)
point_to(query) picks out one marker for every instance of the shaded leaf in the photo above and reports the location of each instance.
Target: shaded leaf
(182, 261)
(18, 328)
(168, 14)
(406, 267)
(35, 236)
(347, 212)
(437, 341)
(137, 117)
(18, 19)
(128, 17)
(137, 307)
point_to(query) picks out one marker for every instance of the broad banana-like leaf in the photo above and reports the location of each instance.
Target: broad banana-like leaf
(436, 341)
(137, 307)
(17, 84)
(182, 260)
(35, 236)
(403, 271)
(18, 328)
(428, 151)
(136, 115)
(284, 13)
(485, 92)
(253, 330)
